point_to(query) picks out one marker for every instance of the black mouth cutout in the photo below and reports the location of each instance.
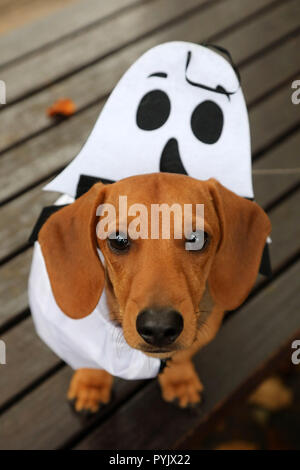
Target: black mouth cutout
(170, 161)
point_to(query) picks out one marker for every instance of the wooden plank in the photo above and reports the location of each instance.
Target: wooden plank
(57, 25)
(13, 286)
(18, 218)
(273, 117)
(27, 358)
(246, 343)
(267, 188)
(106, 73)
(15, 14)
(33, 427)
(15, 424)
(260, 33)
(49, 152)
(80, 50)
(285, 229)
(270, 70)
(45, 154)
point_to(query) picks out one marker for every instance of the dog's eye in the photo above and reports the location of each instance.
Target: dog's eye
(118, 242)
(207, 122)
(153, 110)
(197, 241)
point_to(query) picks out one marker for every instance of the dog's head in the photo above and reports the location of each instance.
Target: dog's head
(159, 291)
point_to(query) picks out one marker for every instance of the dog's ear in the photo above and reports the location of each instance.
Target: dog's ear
(68, 243)
(244, 227)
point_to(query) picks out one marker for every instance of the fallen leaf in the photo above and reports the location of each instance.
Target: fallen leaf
(272, 394)
(62, 108)
(237, 445)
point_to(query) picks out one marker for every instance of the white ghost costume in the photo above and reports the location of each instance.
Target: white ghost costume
(179, 108)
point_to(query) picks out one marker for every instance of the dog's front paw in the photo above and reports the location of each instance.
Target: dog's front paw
(180, 383)
(89, 389)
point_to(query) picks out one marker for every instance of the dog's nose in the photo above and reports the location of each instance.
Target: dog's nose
(159, 326)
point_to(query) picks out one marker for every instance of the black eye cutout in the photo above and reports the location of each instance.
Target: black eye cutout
(153, 111)
(197, 241)
(118, 242)
(207, 122)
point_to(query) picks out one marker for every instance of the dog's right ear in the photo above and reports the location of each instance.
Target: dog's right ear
(68, 243)
(244, 228)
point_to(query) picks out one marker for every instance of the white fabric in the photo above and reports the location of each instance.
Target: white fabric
(90, 342)
(118, 148)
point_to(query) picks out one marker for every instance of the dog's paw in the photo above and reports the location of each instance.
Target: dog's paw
(180, 384)
(89, 389)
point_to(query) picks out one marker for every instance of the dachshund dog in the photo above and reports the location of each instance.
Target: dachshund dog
(169, 301)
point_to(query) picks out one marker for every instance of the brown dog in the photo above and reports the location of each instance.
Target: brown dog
(169, 301)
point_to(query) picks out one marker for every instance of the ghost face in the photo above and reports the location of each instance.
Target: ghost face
(206, 123)
(179, 108)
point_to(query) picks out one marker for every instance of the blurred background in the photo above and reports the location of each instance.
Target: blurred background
(59, 61)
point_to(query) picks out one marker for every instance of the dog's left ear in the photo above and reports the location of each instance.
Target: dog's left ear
(244, 228)
(68, 243)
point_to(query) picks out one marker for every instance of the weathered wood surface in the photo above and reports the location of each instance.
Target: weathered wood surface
(18, 217)
(13, 286)
(78, 51)
(263, 32)
(285, 155)
(26, 354)
(81, 87)
(47, 417)
(15, 13)
(263, 36)
(70, 20)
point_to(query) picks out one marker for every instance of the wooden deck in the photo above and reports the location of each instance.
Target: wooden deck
(80, 51)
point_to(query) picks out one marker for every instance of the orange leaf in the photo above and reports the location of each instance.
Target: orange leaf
(63, 107)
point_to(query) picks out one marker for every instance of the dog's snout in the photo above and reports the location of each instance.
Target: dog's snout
(159, 326)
